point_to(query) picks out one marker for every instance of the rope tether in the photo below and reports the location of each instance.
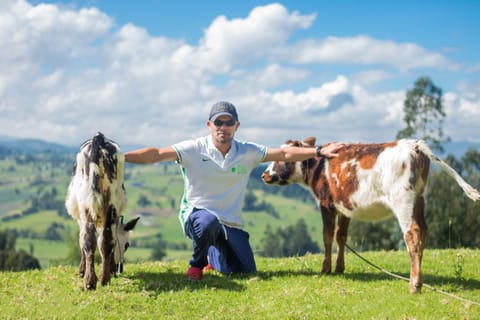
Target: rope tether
(408, 280)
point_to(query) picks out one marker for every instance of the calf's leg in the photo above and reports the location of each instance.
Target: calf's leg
(82, 261)
(81, 268)
(328, 218)
(88, 252)
(106, 243)
(341, 239)
(415, 238)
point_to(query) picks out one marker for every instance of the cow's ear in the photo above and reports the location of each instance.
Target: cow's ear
(130, 225)
(310, 141)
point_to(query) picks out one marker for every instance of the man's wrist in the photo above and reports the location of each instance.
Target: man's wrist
(318, 153)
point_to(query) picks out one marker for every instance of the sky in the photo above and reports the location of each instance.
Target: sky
(147, 72)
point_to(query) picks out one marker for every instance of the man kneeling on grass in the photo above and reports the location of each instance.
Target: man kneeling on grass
(216, 169)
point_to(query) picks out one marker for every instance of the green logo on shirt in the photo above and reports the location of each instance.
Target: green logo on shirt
(239, 169)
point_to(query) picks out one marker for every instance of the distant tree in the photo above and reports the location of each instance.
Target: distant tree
(424, 114)
(452, 218)
(471, 162)
(381, 235)
(250, 204)
(143, 201)
(249, 201)
(271, 243)
(293, 240)
(8, 240)
(55, 231)
(12, 260)
(158, 248)
(299, 241)
(18, 261)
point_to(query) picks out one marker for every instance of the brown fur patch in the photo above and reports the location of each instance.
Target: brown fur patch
(342, 171)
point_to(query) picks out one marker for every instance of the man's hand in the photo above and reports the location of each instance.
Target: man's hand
(330, 150)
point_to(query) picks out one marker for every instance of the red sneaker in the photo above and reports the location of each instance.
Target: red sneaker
(194, 273)
(208, 267)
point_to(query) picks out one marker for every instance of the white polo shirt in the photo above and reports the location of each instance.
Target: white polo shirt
(215, 183)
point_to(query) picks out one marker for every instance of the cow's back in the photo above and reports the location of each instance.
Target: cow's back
(97, 180)
(106, 175)
(368, 181)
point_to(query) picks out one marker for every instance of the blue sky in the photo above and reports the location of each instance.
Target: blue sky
(146, 72)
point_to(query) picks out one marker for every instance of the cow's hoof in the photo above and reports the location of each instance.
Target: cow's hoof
(90, 286)
(416, 289)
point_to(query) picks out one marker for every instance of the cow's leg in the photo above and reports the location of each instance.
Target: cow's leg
(113, 265)
(82, 259)
(341, 238)
(81, 268)
(88, 252)
(328, 217)
(106, 244)
(415, 238)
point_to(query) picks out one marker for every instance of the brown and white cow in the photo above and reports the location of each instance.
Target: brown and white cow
(95, 198)
(368, 182)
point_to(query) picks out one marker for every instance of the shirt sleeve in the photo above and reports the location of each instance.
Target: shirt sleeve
(183, 149)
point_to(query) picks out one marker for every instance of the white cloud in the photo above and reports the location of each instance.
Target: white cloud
(313, 98)
(365, 50)
(243, 41)
(68, 73)
(371, 77)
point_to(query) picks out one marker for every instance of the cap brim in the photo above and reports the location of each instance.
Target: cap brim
(216, 115)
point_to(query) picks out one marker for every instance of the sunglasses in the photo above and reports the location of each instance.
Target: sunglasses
(219, 123)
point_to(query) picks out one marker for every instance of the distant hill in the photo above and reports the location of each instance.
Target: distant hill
(30, 145)
(22, 145)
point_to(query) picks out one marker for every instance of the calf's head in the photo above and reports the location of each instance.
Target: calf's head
(122, 243)
(284, 173)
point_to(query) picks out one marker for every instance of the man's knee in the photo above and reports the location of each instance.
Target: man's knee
(204, 223)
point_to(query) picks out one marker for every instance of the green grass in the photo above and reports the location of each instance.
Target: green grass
(289, 288)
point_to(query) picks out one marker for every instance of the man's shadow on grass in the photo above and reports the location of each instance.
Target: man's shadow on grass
(168, 281)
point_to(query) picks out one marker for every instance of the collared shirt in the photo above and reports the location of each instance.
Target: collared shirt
(215, 183)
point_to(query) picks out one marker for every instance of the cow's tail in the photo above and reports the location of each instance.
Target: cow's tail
(470, 191)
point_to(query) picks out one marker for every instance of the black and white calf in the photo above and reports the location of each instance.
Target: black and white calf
(95, 198)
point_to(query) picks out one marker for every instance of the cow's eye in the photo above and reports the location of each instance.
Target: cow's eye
(126, 246)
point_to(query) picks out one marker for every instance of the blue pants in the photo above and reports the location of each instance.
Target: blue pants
(228, 249)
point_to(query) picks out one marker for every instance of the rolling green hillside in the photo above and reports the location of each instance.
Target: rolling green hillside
(34, 180)
(32, 192)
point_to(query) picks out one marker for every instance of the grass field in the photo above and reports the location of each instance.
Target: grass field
(287, 288)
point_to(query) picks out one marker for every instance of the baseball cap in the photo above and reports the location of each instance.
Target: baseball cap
(223, 108)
